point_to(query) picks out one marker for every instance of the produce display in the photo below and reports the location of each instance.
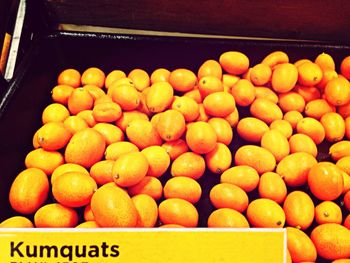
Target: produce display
(229, 145)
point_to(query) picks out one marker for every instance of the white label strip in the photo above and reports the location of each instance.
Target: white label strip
(12, 57)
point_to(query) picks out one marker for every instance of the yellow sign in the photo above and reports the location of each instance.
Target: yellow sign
(142, 246)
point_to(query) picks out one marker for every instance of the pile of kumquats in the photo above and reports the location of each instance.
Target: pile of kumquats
(130, 149)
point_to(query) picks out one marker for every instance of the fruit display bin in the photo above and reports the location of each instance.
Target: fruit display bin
(29, 92)
(24, 97)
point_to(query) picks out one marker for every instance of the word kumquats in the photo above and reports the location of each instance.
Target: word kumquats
(228, 144)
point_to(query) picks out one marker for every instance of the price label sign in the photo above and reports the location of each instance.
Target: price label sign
(141, 246)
